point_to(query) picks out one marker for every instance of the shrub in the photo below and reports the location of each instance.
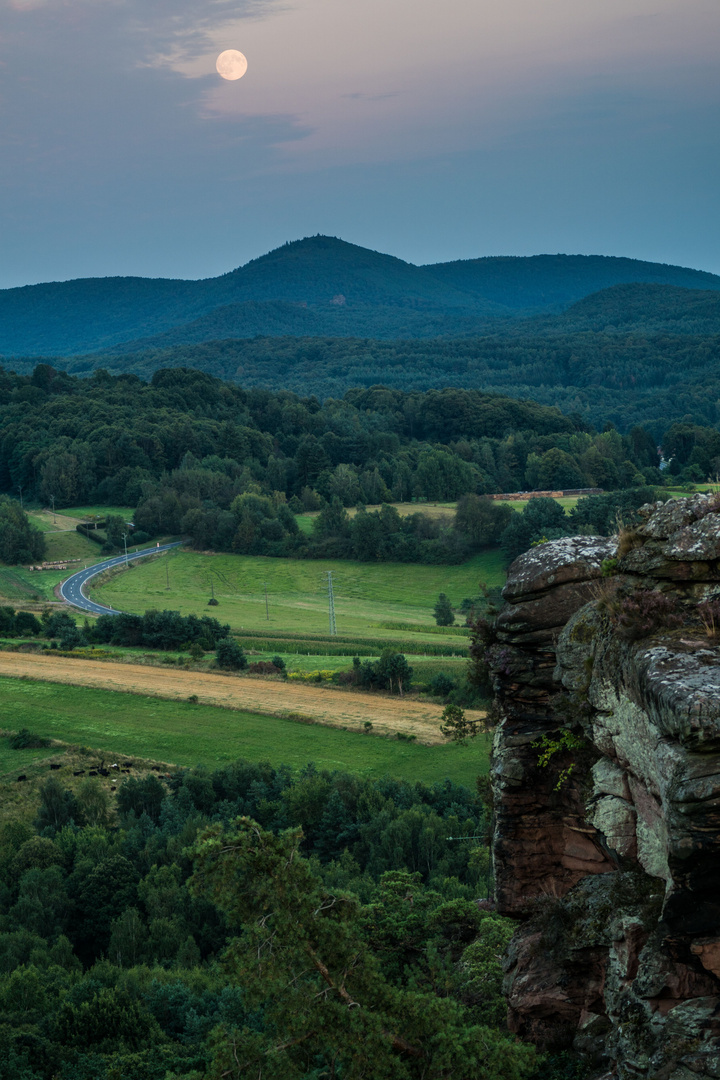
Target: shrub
(647, 610)
(27, 623)
(58, 624)
(71, 638)
(441, 685)
(709, 612)
(27, 740)
(456, 726)
(20, 542)
(229, 655)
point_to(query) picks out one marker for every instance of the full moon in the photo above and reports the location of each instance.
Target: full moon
(231, 64)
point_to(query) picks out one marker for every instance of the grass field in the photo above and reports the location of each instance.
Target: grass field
(678, 493)
(184, 734)
(19, 586)
(366, 594)
(61, 537)
(519, 504)
(87, 513)
(433, 510)
(71, 545)
(304, 701)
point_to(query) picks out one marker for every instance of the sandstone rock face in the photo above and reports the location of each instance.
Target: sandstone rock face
(606, 773)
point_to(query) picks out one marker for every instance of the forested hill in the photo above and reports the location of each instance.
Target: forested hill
(319, 286)
(641, 307)
(554, 281)
(626, 378)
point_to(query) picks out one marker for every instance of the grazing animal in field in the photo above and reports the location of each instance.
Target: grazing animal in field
(54, 765)
(23, 777)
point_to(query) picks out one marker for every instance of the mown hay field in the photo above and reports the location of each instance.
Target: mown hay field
(309, 701)
(181, 733)
(46, 521)
(439, 510)
(366, 594)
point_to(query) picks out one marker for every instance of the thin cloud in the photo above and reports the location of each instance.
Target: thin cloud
(359, 96)
(162, 30)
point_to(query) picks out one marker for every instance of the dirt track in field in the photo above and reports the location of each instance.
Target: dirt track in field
(335, 708)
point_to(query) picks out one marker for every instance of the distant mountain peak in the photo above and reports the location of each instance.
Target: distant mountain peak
(295, 289)
(323, 246)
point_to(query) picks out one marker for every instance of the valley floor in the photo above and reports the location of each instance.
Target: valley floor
(320, 705)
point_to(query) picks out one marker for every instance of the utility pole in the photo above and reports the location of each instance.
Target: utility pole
(167, 572)
(21, 502)
(267, 610)
(124, 536)
(331, 604)
(53, 504)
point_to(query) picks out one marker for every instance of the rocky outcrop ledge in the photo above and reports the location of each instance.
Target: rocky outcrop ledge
(606, 776)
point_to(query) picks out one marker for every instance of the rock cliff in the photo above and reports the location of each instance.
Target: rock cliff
(606, 774)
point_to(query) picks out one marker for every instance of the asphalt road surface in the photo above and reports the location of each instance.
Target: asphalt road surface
(72, 589)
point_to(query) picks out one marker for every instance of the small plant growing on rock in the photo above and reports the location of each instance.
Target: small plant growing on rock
(550, 745)
(482, 637)
(628, 540)
(709, 612)
(647, 610)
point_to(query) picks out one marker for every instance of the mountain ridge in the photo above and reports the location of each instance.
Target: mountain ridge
(337, 289)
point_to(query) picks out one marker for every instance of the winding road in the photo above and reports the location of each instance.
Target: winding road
(72, 588)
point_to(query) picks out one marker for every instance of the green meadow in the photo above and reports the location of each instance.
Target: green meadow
(367, 595)
(181, 733)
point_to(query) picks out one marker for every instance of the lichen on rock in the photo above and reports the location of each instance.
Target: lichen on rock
(616, 873)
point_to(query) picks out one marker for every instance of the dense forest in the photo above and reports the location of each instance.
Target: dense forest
(606, 375)
(231, 468)
(113, 438)
(164, 940)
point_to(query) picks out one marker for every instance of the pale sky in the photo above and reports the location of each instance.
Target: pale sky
(429, 131)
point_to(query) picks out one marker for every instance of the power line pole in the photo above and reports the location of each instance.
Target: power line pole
(53, 504)
(267, 610)
(331, 604)
(124, 536)
(167, 571)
